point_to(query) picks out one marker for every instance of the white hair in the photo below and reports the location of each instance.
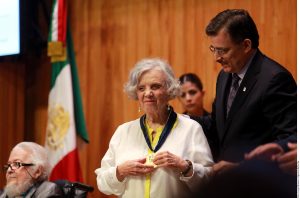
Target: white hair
(14, 190)
(144, 65)
(38, 156)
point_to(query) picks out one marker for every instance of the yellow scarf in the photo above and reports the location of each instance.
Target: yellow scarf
(153, 144)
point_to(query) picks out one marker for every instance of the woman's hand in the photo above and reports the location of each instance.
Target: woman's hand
(133, 168)
(167, 159)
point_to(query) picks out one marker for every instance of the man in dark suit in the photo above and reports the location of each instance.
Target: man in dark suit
(255, 99)
(27, 173)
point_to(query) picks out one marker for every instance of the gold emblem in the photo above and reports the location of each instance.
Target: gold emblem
(57, 51)
(57, 128)
(149, 160)
(55, 48)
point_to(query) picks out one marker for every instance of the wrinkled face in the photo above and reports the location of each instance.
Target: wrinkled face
(20, 175)
(230, 55)
(152, 92)
(191, 98)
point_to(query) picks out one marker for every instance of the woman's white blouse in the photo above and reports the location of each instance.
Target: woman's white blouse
(186, 140)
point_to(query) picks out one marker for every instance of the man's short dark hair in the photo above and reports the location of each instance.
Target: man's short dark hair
(238, 23)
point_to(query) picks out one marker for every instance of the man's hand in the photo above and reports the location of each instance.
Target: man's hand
(267, 152)
(222, 166)
(288, 161)
(274, 152)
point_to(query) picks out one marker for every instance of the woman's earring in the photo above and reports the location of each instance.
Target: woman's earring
(169, 108)
(139, 109)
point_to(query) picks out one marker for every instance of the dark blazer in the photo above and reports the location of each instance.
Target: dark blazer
(264, 110)
(44, 189)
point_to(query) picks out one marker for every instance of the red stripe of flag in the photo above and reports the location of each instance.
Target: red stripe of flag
(67, 168)
(62, 21)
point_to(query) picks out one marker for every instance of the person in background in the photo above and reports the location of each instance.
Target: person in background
(27, 172)
(191, 98)
(256, 98)
(191, 95)
(161, 154)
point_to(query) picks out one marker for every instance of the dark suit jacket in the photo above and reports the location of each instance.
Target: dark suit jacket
(284, 142)
(42, 190)
(264, 110)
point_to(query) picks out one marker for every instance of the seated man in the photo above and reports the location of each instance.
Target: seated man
(27, 172)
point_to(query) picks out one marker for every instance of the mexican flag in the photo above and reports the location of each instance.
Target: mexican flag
(65, 114)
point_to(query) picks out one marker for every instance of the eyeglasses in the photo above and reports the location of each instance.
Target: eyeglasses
(16, 165)
(220, 51)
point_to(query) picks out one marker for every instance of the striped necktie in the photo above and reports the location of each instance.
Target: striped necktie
(233, 89)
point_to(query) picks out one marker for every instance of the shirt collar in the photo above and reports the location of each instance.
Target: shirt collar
(242, 73)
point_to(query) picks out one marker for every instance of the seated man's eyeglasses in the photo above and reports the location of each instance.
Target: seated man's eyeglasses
(16, 165)
(220, 51)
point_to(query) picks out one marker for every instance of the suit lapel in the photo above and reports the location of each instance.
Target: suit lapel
(224, 84)
(31, 192)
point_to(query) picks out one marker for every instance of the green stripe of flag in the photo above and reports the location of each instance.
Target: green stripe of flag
(78, 109)
(56, 68)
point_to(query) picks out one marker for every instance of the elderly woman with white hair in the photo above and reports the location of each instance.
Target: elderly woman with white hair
(162, 153)
(27, 172)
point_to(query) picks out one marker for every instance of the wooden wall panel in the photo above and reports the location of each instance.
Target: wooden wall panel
(12, 94)
(114, 35)
(111, 36)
